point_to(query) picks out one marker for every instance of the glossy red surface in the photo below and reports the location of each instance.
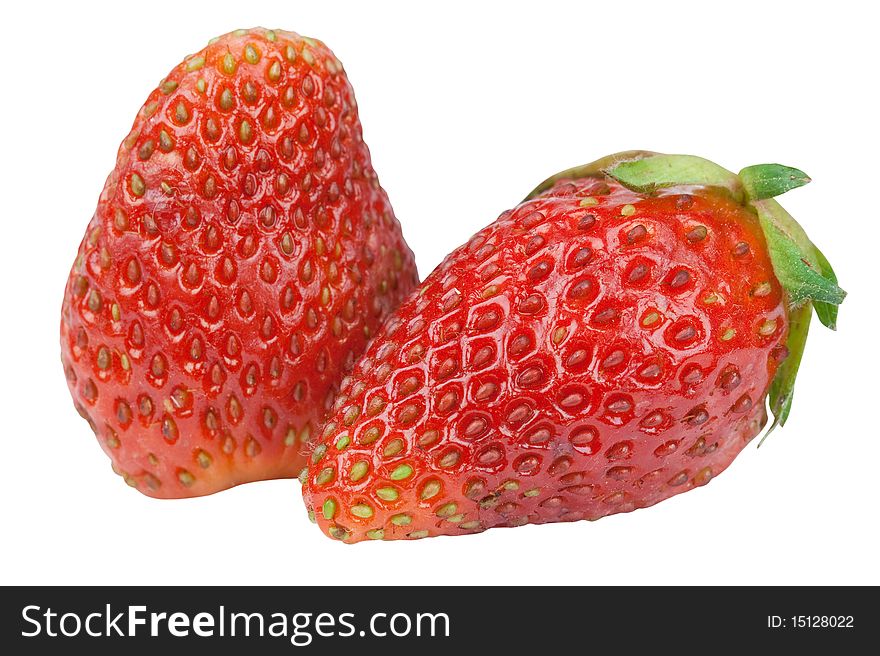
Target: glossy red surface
(241, 254)
(591, 352)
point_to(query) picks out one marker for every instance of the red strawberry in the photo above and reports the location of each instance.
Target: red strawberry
(241, 255)
(605, 345)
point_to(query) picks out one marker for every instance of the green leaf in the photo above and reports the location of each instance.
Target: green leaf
(782, 387)
(650, 173)
(809, 282)
(827, 312)
(768, 180)
(794, 257)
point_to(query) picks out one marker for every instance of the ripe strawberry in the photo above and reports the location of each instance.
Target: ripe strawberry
(241, 255)
(605, 345)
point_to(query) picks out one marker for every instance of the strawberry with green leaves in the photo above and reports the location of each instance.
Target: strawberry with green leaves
(241, 255)
(607, 344)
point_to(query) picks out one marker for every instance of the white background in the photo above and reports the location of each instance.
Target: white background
(466, 106)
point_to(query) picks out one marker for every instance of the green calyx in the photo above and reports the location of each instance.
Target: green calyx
(651, 173)
(592, 169)
(801, 268)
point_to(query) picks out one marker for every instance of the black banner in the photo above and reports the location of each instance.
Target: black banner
(429, 620)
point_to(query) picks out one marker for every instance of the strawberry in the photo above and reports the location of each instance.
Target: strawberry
(241, 255)
(605, 345)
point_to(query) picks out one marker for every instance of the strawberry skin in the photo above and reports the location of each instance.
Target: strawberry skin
(593, 351)
(241, 255)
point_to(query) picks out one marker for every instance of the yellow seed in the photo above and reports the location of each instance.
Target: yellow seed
(387, 493)
(138, 188)
(370, 435)
(226, 99)
(560, 334)
(131, 138)
(228, 63)
(325, 476)
(274, 72)
(449, 460)
(95, 302)
(362, 510)
(650, 319)
(359, 470)
(762, 290)
(338, 533)
(401, 520)
(394, 447)
(401, 472)
(204, 459)
(319, 453)
(376, 406)
(251, 54)
(351, 415)
(627, 210)
(768, 327)
(195, 63)
(181, 113)
(588, 201)
(245, 132)
(430, 489)
(447, 510)
(165, 142)
(728, 334)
